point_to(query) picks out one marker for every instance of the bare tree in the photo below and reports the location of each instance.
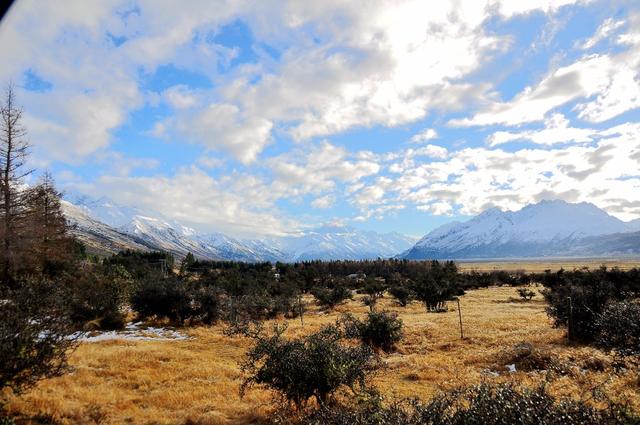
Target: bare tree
(13, 153)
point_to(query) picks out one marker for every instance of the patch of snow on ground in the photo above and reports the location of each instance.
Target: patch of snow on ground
(134, 332)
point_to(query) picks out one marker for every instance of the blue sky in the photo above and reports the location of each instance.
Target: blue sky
(271, 117)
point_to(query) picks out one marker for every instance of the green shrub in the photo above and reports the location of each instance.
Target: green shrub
(526, 293)
(484, 404)
(330, 297)
(35, 334)
(316, 365)
(433, 292)
(618, 327)
(96, 296)
(205, 305)
(379, 330)
(161, 298)
(576, 305)
(401, 293)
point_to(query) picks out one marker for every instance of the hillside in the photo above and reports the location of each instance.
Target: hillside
(108, 227)
(545, 229)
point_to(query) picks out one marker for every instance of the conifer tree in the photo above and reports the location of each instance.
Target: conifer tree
(13, 153)
(187, 262)
(50, 245)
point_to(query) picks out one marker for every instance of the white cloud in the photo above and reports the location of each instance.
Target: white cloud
(323, 202)
(583, 78)
(508, 8)
(477, 178)
(224, 126)
(433, 151)
(341, 66)
(369, 195)
(210, 161)
(424, 135)
(620, 95)
(557, 130)
(180, 97)
(239, 204)
(437, 208)
(609, 84)
(604, 31)
(317, 170)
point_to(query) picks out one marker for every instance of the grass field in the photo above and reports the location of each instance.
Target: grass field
(196, 381)
(553, 264)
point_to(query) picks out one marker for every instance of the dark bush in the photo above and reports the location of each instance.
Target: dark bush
(316, 365)
(484, 404)
(526, 293)
(618, 328)
(374, 290)
(379, 330)
(205, 305)
(162, 298)
(35, 335)
(401, 293)
(576, 305)
(96, 296)
(142, 264)
(433, 292)
(331, 297)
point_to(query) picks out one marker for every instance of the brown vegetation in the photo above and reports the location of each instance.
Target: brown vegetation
(197, 381)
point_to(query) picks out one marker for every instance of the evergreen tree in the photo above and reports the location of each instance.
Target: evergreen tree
(188, 261)
(50, 245)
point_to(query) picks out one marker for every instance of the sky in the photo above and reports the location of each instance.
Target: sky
(271, 117)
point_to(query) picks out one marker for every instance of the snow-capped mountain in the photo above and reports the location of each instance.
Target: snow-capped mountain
(548, 228)
(104, 209)
(229, 248)
(154, 232)
(342, 243)
(97, 236)
(165, 237)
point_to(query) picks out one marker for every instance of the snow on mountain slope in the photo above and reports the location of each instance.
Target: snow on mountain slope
(97, 236)
(154, 232)
(341, 242)
(239, 250)
(166, 237)
(104, 209)
(540, 229)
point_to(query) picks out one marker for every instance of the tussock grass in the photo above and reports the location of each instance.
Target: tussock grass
(197, 381)
(553, 264)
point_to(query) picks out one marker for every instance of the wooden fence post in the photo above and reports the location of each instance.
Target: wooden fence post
(460, 318)
(570, 324)
(300, 308)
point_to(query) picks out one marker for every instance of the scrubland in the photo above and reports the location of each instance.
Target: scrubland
(196, 381)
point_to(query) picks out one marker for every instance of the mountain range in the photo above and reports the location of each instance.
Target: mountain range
(546, 229)
(106, 227)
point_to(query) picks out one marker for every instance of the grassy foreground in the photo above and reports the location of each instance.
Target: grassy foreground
(196, 381)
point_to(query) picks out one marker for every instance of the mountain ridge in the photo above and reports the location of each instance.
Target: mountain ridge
(546, 229)
(148, 231)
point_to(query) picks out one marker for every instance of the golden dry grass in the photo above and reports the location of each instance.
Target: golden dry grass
(197, 381)
(553, 264)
